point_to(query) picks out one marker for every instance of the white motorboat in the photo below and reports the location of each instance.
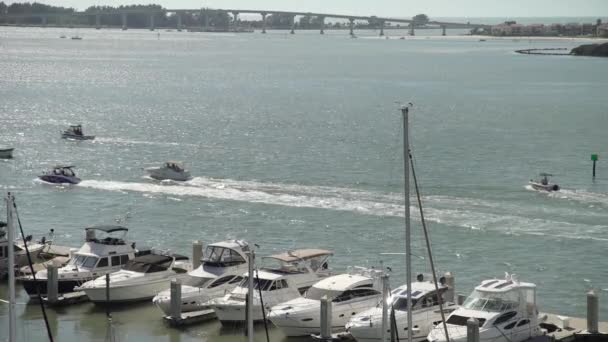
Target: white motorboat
(506, 311)
(6, 152)
(74, 132)
(367, 325)
(543, 184)
(295, 273)
(221, 271)
(20, 254)
(139, 279)
(171, 170)
(95, 258)
(350, 293)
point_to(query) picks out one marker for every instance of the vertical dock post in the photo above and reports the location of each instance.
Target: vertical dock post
(449, 281)
(52, 285)
(460, 299)
(472, 330)
(249, 299)
(443, 30)
(381, 28)
(412, 33)
(322, 23)
(179, 21)
(197, 253)
(124, 21)
(293, 24)
(235, 19)
(325, 318)
(385, 294)
(351, 26)
(12, 313)
(263, 21)
(176, 299)
(592, 312)
(97, 21)
(152, 26)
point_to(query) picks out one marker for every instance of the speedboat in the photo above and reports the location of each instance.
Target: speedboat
(95, 258)
(74, 132)
(171, 170)
(350, 294)
(506, 311)
(6, 152)
(367, 325)
(60, 175)
(294, 274)
(139, 279)
(543, 184)
(222, 267)
(76, 38)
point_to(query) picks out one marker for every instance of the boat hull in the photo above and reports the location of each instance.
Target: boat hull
(128, 293)
(544, 187)
(228, 314)
(6, 153)
(58, 179)
(165, 174)
(63, 286)
(77, 137)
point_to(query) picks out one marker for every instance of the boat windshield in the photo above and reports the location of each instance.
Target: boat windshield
(316, 293)
(83, 261)
(222, 257)
(493, 302)
(262, 284)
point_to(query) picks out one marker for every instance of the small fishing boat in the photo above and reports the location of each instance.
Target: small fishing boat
(351, 293)
(367, 325)
(63, 36)
(221, 270)
(95, 258)
(60, 175)
(543, 184)
(139, 279)
(74, 132)
(295, 273)
(6, 152)
(76, 38)
(171, 170)
(505, 309)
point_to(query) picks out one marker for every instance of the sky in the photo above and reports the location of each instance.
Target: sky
(393, 8)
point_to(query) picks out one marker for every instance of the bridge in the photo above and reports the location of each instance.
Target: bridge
(204, 14)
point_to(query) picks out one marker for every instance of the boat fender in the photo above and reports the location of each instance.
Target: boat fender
(555, 187)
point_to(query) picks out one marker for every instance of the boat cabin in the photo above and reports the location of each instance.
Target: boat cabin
(424, 295)
(75, 129)
(175, 166)
(344, 287)
(226, 254)
(153, 263)
(502, 295)
(63, 171)
(298, 261)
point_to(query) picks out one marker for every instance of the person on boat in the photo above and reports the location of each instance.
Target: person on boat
(544, 181)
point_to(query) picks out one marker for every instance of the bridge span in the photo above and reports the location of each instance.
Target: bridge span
(204, 14)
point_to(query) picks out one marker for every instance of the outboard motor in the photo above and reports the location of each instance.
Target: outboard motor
(555, 187)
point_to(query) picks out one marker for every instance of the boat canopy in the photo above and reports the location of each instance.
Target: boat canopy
(108, 229)
(149, 263)
(300, 254)
(174, 165)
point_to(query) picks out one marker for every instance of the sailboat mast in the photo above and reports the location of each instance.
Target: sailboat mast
(408, 241)
(12, 328)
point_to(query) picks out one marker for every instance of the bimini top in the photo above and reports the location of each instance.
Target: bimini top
(502, 285)
(64, 167)
(300, 254)
(108, 229)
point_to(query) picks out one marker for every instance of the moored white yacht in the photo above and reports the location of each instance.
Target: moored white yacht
(171, 170)
(220, 272)
(295, 273)
(506, 311)
(367, 325)
(95, 258)
(20, 255)
(139, 279)
(350, 293)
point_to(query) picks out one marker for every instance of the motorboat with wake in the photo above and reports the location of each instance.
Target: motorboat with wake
(367, 325)
(221, 270)
(95, 258)
(171, 170)
(6, 152)
(506, 311)
(350, 294)
(543, 184)
(60, 175)
(139, 279)
(292, 275)
(74, 132)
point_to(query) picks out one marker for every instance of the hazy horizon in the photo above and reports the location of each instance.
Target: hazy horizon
(396, 8)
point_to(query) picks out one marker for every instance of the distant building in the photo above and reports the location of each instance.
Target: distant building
(511, 28)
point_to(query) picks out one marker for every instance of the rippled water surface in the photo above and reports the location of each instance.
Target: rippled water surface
(295, 141)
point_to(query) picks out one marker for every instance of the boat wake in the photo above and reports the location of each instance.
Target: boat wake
(120, 141)
(582, 196)
(474, 214)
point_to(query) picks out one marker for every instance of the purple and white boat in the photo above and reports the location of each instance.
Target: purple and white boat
(60, 175)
